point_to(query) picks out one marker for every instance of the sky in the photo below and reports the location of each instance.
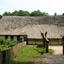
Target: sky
(49, 6)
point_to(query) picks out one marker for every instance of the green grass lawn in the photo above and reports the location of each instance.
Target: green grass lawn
(56, 45)
(28, 55)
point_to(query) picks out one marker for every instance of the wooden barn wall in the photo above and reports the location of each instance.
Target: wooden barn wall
(35, 41)
(15, 37)
(40, 41)
(55, 41)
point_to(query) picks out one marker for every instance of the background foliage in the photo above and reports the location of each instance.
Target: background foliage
(0, 16)
(6, 44)
(25, 13)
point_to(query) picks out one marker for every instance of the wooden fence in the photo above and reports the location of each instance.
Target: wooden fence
(7, 55)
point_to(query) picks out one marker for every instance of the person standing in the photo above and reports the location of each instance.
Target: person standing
(63, 44)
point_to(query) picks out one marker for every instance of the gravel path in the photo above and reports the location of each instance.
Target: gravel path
(56, 58)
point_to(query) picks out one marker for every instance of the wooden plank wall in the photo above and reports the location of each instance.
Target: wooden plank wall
(6, 55)
(40, 41)
(0, 57)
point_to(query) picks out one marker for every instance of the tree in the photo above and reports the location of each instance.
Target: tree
(36, 13)
(63, 14)
(27, 13)
(15, 13)
(55, 14)
(23, 13)
(0, 16)
(6, 13)
(45, 14)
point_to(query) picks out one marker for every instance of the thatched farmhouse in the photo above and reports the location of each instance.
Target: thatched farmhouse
(24, 28)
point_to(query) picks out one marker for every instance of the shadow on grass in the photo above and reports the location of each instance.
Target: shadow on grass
(19, 62)
(42, 51)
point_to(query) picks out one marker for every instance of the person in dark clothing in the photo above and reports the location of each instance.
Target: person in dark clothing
(63, 44)
(63, 39)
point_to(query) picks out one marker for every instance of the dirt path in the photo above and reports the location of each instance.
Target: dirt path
(57, 49)
(56, 58)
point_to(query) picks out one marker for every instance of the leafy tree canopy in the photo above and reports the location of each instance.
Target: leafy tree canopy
(36, 13)
(6, 13)
(55, 14)
(25, 13)
(0, 16)
(63, 14)
(45, 14)
(15, 13)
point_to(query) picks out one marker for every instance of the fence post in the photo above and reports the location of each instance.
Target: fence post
(7, 56)
(47, 42)
(0, 57)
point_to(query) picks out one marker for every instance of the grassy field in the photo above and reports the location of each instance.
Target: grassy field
(29, 54)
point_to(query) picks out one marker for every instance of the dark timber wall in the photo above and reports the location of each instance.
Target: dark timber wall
(40, 41)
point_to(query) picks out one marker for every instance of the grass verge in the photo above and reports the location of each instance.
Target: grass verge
(56, 45)
(29, 54)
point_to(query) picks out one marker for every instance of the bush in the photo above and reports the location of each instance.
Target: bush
(1, 41)
(4, 47)
(6, 42)
(12, 43)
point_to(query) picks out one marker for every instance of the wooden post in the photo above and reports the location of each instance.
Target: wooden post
(44, 42)
(47, 42)
(43, 39)
(46, 47)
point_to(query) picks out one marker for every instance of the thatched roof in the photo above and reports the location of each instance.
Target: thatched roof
(32, 26)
